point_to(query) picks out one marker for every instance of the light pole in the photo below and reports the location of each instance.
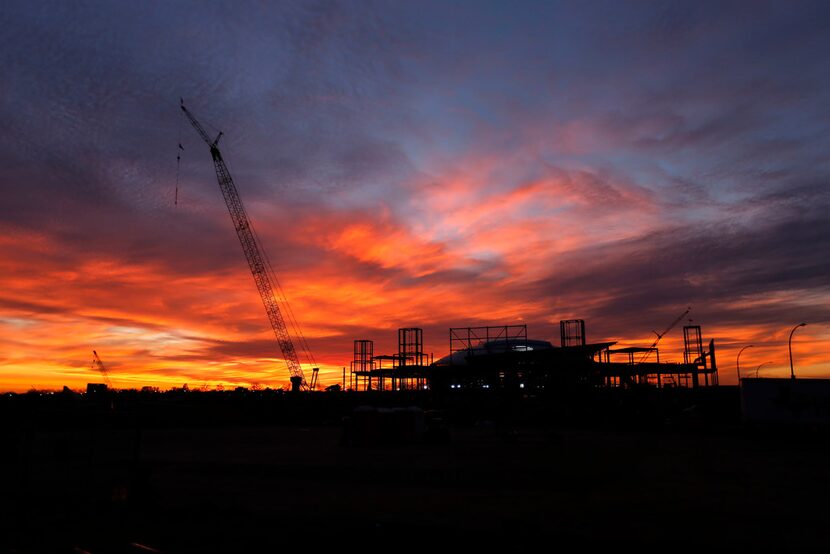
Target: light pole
(738, 361)
(790, 346)
(759, 367)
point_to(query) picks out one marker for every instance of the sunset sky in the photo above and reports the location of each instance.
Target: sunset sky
(409, 164)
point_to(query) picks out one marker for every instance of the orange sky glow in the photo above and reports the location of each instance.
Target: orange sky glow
(155, 328)
(407, 167)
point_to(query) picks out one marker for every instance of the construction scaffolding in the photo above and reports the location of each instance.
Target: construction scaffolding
(572, 332)
(362, 364)
(405, 370)
(635, 371)
(693, 354)
(486, 340)
(502, 357)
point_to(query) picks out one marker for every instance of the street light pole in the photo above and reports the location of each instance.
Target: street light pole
(738, 361)
(790, 347)
(759, 367)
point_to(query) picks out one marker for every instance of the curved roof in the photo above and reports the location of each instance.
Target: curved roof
(494, 347)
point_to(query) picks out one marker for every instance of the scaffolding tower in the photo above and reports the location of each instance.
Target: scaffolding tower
(572, 332)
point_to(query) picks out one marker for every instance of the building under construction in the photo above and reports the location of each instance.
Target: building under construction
(408, 369)
(503, 357)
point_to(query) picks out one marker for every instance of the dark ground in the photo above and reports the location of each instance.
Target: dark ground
(81, 476)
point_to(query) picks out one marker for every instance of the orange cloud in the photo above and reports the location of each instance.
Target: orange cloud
(468, 248)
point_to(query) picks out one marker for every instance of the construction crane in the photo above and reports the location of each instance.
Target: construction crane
(661, 335)
(99, 365)
(254, 255)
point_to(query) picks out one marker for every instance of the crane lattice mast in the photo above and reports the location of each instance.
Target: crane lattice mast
(661, 335)
(253, 253)
(99, 365)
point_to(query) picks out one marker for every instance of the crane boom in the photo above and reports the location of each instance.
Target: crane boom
(99, 365)
(253, 253)
(660, 335)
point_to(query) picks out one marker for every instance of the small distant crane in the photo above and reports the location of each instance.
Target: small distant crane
(661, 335)
(314, 372)
(99, 365)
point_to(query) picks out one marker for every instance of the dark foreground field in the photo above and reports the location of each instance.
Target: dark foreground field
(113, 487)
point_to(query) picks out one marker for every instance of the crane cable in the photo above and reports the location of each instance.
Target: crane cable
(280, 294)
(283, 299)
(179, 151)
